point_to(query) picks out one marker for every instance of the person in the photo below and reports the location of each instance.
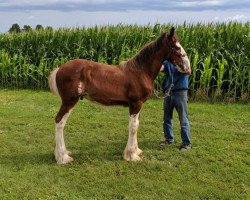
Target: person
(175, 90)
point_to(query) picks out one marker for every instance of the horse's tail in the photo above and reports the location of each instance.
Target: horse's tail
(52, 81)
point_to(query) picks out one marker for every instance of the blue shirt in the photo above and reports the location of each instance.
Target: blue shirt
(173, 76)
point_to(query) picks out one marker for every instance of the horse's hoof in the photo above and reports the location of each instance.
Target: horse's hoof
(69, 152)
(131, 157)
(63, 158)
(135, 158)
(139, 151)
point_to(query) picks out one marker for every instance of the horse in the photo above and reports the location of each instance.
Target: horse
(129, 84)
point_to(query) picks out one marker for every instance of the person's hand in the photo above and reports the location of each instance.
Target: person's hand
(162, 68)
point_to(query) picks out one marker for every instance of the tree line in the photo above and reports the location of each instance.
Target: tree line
(15, 28)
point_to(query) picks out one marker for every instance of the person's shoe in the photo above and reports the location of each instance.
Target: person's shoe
(185, 147)
(165, 143)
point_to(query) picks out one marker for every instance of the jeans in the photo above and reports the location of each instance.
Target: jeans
(176, 100)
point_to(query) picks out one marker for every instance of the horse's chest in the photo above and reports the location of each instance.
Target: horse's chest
(141, 91)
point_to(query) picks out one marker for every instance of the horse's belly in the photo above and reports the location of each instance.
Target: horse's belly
(108, 96)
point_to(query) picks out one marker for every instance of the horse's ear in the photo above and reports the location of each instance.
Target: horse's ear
(172, 32)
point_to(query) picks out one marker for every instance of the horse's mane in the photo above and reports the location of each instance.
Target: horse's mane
(144, 54)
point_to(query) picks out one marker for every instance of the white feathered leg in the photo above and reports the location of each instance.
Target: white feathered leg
(132, 152)
(61, 153)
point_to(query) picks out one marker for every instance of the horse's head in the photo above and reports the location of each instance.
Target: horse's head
(176, 54)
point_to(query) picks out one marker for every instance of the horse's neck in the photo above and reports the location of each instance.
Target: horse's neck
(153, 65)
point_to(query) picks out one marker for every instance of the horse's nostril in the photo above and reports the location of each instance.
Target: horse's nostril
(182, 66)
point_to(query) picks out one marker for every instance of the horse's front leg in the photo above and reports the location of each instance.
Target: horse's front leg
(62, 155)
(132, 152)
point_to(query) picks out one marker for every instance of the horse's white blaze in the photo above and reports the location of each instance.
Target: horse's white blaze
(52, 82)
(184, 58)
(61, 154)
(132, 151)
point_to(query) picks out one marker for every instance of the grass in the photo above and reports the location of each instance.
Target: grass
(216, 168)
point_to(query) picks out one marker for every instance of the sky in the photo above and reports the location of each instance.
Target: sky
(78, 13)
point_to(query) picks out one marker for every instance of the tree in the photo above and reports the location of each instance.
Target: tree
(39, 27)
(49, 28)
(27, 28)
(15, 28)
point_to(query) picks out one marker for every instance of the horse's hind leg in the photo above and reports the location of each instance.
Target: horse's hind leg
(62, 156)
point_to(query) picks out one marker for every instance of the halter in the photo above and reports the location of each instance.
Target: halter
(172, 51)
(175, 52)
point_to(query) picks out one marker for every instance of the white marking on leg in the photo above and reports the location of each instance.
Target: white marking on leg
(132, 152)
(61, 153)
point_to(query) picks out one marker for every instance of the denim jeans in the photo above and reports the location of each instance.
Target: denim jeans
(177, 100)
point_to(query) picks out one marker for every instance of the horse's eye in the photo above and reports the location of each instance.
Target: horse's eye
(178, 48)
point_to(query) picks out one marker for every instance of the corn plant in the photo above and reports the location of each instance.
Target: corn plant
(206, 75)
(194, 67)
(220, 71)
(219, 53)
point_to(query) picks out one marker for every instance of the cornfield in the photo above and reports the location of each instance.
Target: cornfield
(219, 54)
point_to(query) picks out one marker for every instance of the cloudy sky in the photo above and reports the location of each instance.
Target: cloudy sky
(72, 13)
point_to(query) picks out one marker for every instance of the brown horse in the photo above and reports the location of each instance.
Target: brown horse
(128, 84)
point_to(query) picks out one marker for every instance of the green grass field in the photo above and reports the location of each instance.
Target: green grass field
(216, 168)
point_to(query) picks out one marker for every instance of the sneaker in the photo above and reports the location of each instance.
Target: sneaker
(185, 147)
(165, 143)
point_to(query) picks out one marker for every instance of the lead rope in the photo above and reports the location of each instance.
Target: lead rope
(167, 93)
